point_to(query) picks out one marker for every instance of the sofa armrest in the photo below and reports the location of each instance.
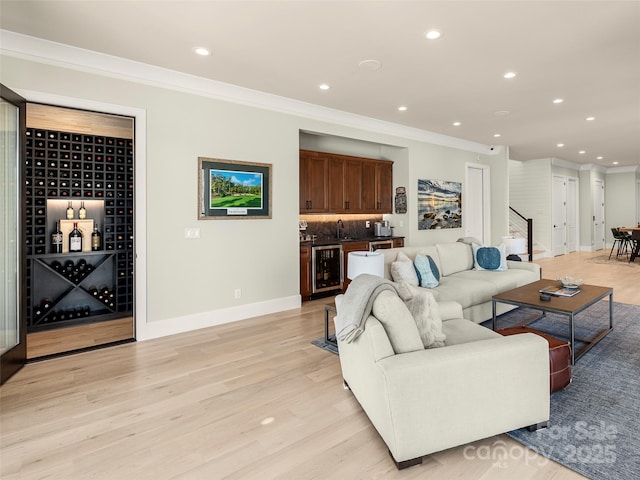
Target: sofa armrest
(462, 393)
(450, 310)
(532, 267)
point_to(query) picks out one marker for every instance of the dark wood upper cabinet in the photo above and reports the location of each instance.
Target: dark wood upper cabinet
(314, 180)
(384, 187)
(352, 185)
(332, 183)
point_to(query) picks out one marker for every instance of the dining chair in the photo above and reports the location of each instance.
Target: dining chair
(623, 241)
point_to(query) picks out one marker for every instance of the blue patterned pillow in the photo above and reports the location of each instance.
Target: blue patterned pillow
(427, 270)
(489, 258)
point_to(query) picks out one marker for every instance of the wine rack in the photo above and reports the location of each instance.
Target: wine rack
(78, 167)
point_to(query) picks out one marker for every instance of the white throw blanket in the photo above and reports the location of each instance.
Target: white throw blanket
(357, 303)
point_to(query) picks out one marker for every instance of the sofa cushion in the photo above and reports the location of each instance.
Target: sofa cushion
(489, 258)
(467, 290)
(428, 274)
(459, 331)
(503, 280)
(426, 313)
(398, 322)
(404, 269)
(454, 257)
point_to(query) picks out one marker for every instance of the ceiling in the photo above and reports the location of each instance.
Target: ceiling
(584, 52)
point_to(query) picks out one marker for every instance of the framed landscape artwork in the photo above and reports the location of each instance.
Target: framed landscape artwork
(232, 189)
(439, 204)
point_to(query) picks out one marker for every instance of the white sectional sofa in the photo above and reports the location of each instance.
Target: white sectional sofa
(424, 400)
(461, 283)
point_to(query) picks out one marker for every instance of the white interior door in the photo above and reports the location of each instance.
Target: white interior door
(572, 214)
(559, 215)
(475, 205)
(598, 215)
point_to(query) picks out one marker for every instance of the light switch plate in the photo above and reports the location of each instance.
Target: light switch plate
(191, 233)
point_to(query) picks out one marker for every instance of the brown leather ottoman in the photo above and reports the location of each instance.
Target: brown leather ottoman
(559, 356)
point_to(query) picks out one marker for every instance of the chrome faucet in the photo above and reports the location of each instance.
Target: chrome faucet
(339, 229)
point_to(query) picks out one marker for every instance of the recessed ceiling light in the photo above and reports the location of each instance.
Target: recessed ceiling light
(202, 51)
(433, 34)
(582, 152)
(590, 119)
(509, 75)
(496, 135)
(616, 163)
(599, 158)
(324, 86)
(501, 113)
(370, 65)
(558, 100)
(560, 145)
(456, 124)
(402, 108)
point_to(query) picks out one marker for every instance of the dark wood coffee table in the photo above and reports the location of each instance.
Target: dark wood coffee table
(529, 296)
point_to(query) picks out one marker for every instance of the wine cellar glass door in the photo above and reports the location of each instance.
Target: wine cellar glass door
(79, 198)
(12, 318)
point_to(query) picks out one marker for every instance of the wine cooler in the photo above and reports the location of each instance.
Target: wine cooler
(327, 268)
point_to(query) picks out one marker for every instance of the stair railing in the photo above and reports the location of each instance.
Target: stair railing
(522, 227)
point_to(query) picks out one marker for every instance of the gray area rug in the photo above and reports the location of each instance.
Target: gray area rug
(594, 427)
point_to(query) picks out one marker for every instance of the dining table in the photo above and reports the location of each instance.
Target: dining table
(635, 236)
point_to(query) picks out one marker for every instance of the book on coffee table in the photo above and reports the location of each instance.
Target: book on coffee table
(560, 291)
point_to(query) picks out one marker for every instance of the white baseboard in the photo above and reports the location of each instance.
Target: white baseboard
(187, 323)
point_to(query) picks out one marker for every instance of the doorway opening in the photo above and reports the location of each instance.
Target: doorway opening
(80, 185)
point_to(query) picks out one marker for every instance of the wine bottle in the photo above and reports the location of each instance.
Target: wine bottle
(70, 213)
(75, 239)
(56, 239)
(82, 212)
(96, 239)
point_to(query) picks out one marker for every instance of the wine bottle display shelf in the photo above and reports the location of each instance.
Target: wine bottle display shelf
(61, 288)
(99, 170)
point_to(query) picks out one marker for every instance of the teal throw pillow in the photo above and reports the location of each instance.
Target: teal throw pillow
(427, 270)
(489, 258)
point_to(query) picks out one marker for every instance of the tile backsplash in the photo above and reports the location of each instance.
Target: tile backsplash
(325, 226)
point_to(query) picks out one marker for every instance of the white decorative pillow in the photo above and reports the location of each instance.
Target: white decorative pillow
(403, 269)
(489, 258)
(397, 321)
(425, 312)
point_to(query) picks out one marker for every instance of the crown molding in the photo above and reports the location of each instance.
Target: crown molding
(593, 168)
(614, 170)
(558, 162)
(57, 54)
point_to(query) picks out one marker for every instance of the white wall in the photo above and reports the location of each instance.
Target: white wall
(190, 283)
(620, 199)
(530, 195)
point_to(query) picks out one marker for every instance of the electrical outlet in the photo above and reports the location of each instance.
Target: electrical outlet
(237, 293)
(367, 224)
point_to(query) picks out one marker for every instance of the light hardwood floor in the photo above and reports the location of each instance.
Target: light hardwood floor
(251, 399)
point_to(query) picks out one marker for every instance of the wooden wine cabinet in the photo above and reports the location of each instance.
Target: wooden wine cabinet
(62, 167)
